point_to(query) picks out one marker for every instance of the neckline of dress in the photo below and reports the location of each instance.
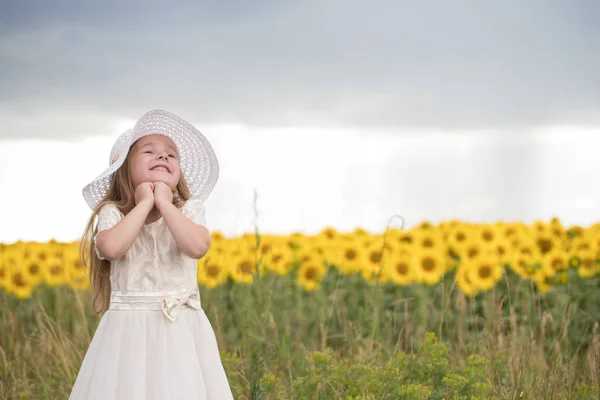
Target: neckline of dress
(153, 223)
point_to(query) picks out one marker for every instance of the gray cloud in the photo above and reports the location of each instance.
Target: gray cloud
(447, 65)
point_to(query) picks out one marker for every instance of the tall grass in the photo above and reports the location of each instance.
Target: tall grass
(274, 338)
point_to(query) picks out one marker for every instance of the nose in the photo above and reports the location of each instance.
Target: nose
(163, 156)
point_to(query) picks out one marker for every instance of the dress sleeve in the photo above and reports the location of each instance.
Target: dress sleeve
(108, 216)
(194, 210)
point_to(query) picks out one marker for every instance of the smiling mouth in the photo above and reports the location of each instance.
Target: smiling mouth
(160, 168)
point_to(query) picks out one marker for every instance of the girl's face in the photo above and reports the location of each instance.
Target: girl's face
(154, 158)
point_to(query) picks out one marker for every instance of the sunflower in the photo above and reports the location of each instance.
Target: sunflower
(404, 238)
(328, 235)
(529, 248)
(428, 266)
(463, 282)
(484, 272)
(523, 265)
(557, 229)
(56, 249)
(503, 250)
(547, 243)
(54, 271)
(280, 260)
(235, 249)
(425, 226)
(350, 257)
(265, 245)
(555, 261)
(374, 255)
(295, 241)
(18, 285)
(487, 234)
(588, 265)
(539, 228)
(374, 267)
(12, 258)
(445, 227)
(77, 279)
(217, 237)
(473, 249)
(459, 237)
(400, 269)
(218, 249)
(543, 282)
(33, 270)
(323, 248)
(429, 240)
(212, 272)
(581, 244)
(39, 251)
(243, 268)
(575, 231)
(511, 230)
(310, 275)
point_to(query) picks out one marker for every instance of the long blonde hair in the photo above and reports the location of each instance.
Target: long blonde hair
(122, 194)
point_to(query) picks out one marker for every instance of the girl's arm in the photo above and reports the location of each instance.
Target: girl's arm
(113, 243)
(191, 238)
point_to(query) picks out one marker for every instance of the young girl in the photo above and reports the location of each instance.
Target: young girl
(154, 341)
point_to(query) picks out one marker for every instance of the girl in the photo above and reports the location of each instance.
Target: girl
(154, 341)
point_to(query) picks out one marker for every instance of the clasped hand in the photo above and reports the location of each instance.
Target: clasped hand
(157, 193)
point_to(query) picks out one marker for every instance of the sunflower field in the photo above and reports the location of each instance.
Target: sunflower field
(453, 310)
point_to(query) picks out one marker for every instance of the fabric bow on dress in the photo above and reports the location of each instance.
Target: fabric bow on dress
(171, 305)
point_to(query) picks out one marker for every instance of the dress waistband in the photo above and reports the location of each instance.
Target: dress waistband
(167, 301)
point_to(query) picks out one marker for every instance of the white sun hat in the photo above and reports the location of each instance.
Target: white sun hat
(197, 160)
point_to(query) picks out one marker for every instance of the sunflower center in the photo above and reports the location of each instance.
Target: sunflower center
(310, 273)
(545, 245)
(18, 280)
(402, 268)
(428, 264)
(55, 270)
(557, 263)
(406, 239)
(485, 272)
(473, 252)
(350, 254)
(34, 268)
(246, 267)
(583, 246)
(461, 237)
(375, 257)
(588, 263)
(277, 257)
(265, 248)
(212, 271)
(427, 242)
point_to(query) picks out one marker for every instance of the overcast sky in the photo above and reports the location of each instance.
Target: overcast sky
(337, 112)
(68, 67)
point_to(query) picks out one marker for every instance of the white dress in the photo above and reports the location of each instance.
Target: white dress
(155, 341)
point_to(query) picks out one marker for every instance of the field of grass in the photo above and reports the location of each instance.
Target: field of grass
(451, 311)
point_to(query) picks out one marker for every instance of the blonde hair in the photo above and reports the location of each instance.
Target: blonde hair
(122, 194)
